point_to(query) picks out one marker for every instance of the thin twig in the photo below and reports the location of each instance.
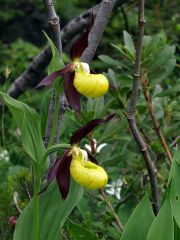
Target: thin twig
(154, 121)
(111, 208)
(175, 141)
(132, 108)
(126, 24)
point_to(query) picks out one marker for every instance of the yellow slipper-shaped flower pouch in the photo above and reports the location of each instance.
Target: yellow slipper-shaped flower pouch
(87, 174)
(90, 85)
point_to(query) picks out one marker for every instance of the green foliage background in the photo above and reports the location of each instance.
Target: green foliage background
(21, 40)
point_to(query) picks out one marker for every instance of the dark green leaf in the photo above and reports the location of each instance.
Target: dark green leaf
(79, 233)
(56, 61)
(169, 92)
(162, 72)
(53, 213)
(112, 76)
(55, 65)
(140, 221)
(28, 122)
(129, 45)
(163, 57)
(163, 227)
(109, 61)
(176, 232)
(175, 193)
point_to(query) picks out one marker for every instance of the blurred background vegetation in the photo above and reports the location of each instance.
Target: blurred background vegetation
(21, 38)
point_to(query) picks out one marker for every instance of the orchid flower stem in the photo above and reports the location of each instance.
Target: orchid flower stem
(55, 121)
(36, 208)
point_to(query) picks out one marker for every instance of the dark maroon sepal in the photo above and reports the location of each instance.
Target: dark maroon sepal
(51, 175)
(47, 81)
(73, 97)
(86, 129)
(66, 69)
(82, 42)
(63, 174)
(53, 170)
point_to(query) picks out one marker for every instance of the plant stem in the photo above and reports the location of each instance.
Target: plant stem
(155, 123)
(36, 208)
(132, 109)
(55, 119)
(111, 208)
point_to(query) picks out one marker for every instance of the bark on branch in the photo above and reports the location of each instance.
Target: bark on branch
(54, 25)
(97, 30)
(132, 108)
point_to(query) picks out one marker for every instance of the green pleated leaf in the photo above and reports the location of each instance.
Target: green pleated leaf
(163, 226)
(28, 121)
(55, 64)
(140, 221)
(53, 213)
(80, 233)
(56, 61)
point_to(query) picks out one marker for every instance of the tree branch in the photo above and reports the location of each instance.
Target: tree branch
(132, 108)
(54, 24)
(57, 103)
(97, 30)
(33, 74)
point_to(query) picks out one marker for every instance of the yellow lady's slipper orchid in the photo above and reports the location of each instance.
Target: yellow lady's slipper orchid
(86, 173)
(77, 78)
(89, 85)
(78, 163)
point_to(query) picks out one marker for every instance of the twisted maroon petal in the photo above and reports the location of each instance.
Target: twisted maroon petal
(92, 158)
(80, 133)
(47, 81)
(63, 174)
(53, 171)
(73, 97)
(82, 42)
